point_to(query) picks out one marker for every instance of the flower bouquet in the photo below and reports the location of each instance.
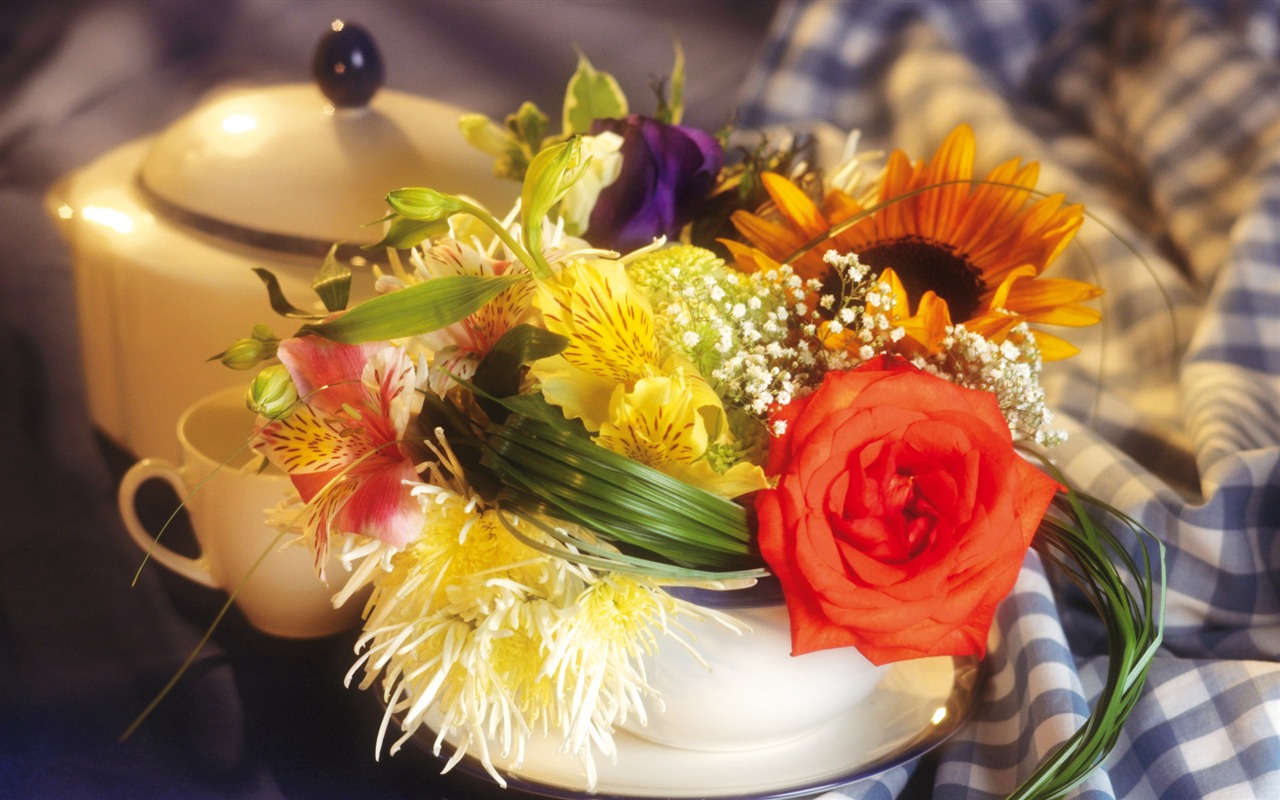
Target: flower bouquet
(682, 364)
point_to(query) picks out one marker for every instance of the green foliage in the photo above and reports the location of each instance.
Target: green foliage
(414, 310)
(332, 282)
(405, 233)
(513, 144)
(1090, 556)
(499, 372)
(555, 470)
(591, 95)
(550, 175)
(671, 109)
(250, 351)
(424, 204)
(279, 303)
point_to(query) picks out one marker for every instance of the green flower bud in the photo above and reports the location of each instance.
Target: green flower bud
(250, 352)
(424, 204)
(272, 393)
(242, 354)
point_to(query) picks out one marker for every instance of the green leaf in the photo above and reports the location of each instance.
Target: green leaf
(591, 95)
(530, 343)
(424, 204)
(535, 406)
(279, 303)
(333, 282)
(499, 372)
(551, 469)
(485, 135)
(417, 309)
(671, 109)
(609, 559)
(405, 233)
(511, 145)
(529, 124)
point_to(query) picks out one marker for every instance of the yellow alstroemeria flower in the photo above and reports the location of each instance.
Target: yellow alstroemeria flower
(658, 424)
(612, 342)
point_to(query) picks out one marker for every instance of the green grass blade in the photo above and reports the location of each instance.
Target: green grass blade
(554, 469)
(1091, 557)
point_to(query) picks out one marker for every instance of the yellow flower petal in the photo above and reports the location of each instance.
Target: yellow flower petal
(609, 325)
(656, 423)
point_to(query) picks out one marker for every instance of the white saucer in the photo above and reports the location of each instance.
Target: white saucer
(917, 705)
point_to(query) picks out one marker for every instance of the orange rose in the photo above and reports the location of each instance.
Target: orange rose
(901, 514)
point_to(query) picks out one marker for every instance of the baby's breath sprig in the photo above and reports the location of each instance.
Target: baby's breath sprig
(856, 325)
(735, 327)
(1009, 370)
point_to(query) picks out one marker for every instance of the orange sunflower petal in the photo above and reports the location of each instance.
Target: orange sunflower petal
(895, 219)
(1045, 293)
(777, 239)
(795, 205)
(1000, 299)
(934, 318)
(953, 161)
(994, 205)
(1069, 315)
(898, 305)
(1053, 348)
(749, 259)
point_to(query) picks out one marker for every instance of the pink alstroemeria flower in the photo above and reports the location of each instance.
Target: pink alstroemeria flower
(342, 445)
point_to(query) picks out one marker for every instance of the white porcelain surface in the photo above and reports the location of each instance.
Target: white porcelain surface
(226, 504)
(751, 692)
(282, 159)
(916, 705)
(156, 298)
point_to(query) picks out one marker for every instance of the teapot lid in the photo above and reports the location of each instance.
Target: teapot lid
(299, 167)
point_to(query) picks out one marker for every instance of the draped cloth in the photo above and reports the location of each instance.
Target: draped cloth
(1163, 118)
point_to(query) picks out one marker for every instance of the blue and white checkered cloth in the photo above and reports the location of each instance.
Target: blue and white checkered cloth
(1163, 118)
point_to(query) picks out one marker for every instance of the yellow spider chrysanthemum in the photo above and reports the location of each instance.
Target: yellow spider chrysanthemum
(978, 247)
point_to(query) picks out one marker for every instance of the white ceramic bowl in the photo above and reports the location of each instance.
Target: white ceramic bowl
(752, 693)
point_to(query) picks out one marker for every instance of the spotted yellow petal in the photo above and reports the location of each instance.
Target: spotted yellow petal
(609, 325)
(661, 424)
(657, 423)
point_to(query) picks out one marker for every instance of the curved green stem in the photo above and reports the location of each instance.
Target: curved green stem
(536, 264)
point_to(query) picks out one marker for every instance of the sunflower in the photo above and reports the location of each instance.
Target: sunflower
(954, 249)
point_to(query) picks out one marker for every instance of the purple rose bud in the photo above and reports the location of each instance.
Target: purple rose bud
(668, 171)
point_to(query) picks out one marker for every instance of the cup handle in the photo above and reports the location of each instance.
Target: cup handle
(196, 569)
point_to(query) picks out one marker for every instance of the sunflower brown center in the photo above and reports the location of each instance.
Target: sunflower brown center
(924, 264)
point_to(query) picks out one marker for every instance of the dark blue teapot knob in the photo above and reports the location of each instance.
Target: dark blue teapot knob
(347, 65)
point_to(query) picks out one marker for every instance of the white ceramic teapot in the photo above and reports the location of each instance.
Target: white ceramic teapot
(165, 231)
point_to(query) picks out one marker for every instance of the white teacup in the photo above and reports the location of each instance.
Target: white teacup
(226, 499)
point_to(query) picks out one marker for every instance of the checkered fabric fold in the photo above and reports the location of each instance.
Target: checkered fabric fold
(1163, 118)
